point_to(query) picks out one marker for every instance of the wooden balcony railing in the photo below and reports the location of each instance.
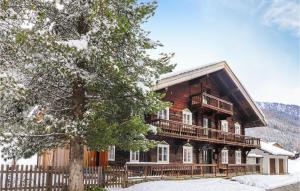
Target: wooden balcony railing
(180, 130)
(212, 102)
(147, 171)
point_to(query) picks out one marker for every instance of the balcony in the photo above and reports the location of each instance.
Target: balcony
(197, 133)
(211, 102)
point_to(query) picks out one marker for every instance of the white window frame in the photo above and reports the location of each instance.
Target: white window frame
(187, 154)
(237, 128)
(164, 160)
(134, 156)
(187, 117)
(163, 114)
(224, 156)
(205, 125)
(238, 157)
(224, 125)
(111, 152)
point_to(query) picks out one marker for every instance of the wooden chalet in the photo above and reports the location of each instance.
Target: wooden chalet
(204, 126)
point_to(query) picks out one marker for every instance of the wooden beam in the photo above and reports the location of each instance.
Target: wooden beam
(242, 110)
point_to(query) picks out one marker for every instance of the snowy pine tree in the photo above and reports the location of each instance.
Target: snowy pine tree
(76, 72)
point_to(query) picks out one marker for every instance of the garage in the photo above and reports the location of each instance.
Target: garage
(272, 166)
(273, 158)
(281, 170)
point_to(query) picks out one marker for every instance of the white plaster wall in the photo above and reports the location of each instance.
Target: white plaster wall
(251, 160)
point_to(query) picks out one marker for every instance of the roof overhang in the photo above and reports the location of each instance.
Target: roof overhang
(205, 70)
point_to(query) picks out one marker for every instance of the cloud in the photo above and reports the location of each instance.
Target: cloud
(284, 14)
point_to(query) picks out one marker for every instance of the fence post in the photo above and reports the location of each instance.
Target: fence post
(215, 167)
(227, 170)
(49, 179)
(101, 178)
(145, 172)
(125, 180)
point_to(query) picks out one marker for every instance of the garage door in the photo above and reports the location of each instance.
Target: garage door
(272, 166)
(281, 166)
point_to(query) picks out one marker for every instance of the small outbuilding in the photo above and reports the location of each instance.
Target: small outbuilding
(272, 157)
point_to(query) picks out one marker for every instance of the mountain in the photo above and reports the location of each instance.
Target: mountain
(283, 125)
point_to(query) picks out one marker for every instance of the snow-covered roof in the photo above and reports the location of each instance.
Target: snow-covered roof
(270, 148)
(187, 75)
(253, 155)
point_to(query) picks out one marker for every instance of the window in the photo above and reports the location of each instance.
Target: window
(205, 125)
(237, 128)
(205, 157)
(238, 157)
(162, 153)
(111, 153)
(187, 154)
(224, 154)
(163, 114)
(187, 116)
(224, 125)
(134, 156)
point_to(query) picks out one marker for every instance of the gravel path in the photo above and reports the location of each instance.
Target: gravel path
(291, 187)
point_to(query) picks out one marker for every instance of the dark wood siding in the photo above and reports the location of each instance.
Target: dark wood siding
(179, 96)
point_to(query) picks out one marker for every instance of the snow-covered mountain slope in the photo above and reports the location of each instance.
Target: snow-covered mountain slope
(283, 125)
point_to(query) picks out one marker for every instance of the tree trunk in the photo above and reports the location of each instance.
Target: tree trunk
(76, 166)
(76, 147)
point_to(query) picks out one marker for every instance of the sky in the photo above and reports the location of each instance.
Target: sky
(259, 39)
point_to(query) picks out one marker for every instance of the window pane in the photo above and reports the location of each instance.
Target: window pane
(159, 153)
(189, 156)
(137, 155)
(165, 154)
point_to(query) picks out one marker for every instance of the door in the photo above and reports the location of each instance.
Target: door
(90, 158)
(207, 159)
(272, 166)
(103, 158)
(281, 171)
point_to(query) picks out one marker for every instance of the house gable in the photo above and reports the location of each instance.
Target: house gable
(228, 86)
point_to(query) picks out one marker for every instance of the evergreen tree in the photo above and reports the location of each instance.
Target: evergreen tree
(76, 72)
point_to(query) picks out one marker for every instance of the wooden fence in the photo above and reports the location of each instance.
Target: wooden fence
(33, 178)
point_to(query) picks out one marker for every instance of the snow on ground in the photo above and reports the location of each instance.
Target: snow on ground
(211, 184)
(273, 181)
(266, 181)
(294, 168)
